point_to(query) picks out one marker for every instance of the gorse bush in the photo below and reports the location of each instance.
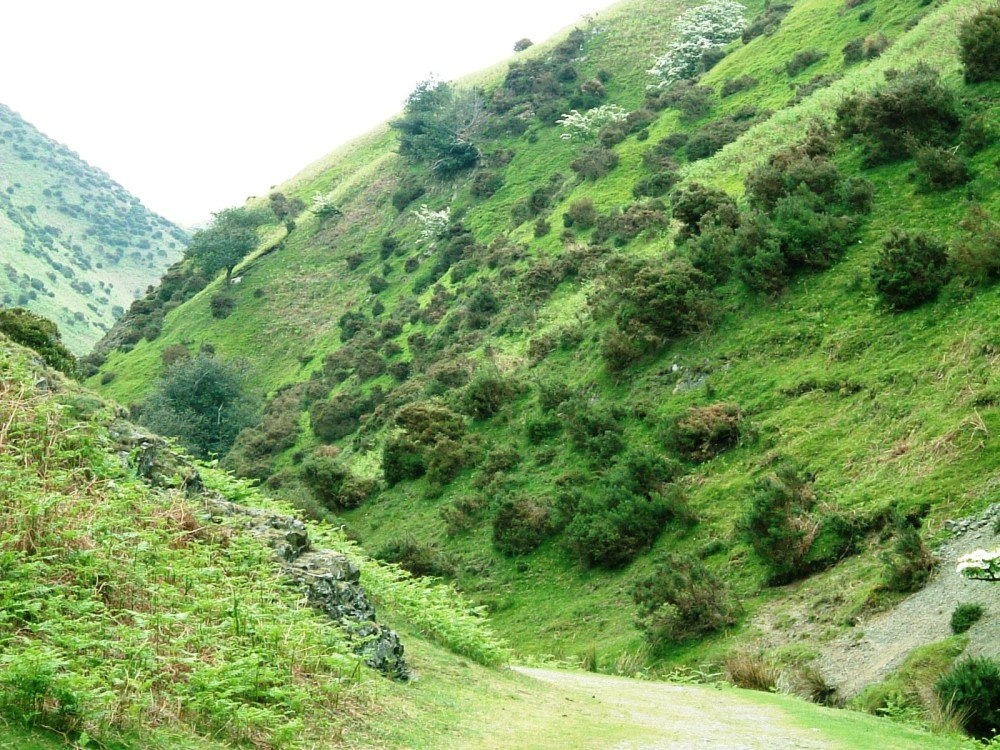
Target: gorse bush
(520, 525)
(975, 253)
(681, 599)
(333, 484)
(908, 564)
(705, 431)
(964, 616)
(972, 688)
(912, 105)
(941, 169)
(910, 270)
(979, 39)
(37, 333)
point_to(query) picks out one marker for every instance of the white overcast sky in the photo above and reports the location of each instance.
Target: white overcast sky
(195, 104)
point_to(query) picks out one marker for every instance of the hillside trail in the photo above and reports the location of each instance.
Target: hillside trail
(661, 716)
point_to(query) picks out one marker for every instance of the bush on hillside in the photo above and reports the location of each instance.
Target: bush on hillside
(521, 525)
(975, 253)
(417, 557)
(580, 214)
(979, 40)
(402, 459)
(693, 202)
(786, 529)
(690, 99)
(222, 305)
(709, 139)
(908, 564)
(594, 163)
(334, 485)
(338, 417)
(594, 429)
(941, 168)
(767, 22)
(972, 689)
(732, 86)
(911, 106)
(910, 270)
(704, 432)
(681, 599)
(487, 393)
(802, 60)
(39, 334)
(410, 188)
(611, 527)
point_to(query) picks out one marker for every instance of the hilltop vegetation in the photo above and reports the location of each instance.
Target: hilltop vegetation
(572, 322)
(75, 246)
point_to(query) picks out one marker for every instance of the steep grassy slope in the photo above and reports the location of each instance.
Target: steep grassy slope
(498, 362)
(75, 246)
(131, 620)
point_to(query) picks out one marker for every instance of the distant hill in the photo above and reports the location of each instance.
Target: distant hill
(75, 246)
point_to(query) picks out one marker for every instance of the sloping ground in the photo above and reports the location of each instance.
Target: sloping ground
(878, 645)
(75, 246)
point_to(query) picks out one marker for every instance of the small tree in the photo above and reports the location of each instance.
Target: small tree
(40, 334)
(979, 39)
(202, 401)
(228, 240)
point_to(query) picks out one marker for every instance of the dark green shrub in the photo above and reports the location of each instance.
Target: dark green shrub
(108, 377)
(39, 334)
(711, 250)
(656, 185)
(333, 485)
(463, 513)
(540, 429)
(767, 22)
(427, 422)
(594, 429)
(377, 284)
(670, 297)
(911, 106)
(964, 616)
(626, 225)
(734, 85)
(222, 305)
(978, 132)
(416, 557)
(705, 431)
(552, 394)
(336, 418)
(353, 261)
(446, 459)
(486, 183)
(402, 459)
(581, 214)
(693, 202)
(940, 168)
(660, 156)
(681, 599)
(410, 188)
(621, 349)
(910, 270)
(979, 39)
(612, 526)
(854, 50)
(487, 393)
(174, 353)
(802, 60)
(908, 564)
(785, 529)
(594, 163)
(975, 253)
(388, 246)
(520, 526)
(709, 139)
(693, 101)
(972, 689)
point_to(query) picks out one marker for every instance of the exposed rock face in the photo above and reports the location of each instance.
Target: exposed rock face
(331, 583)
(330, 580)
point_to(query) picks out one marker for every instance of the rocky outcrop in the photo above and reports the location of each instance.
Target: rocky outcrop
(330, 581)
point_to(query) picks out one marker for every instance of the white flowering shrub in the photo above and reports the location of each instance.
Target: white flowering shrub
(588, 124)
(432, 223)
(708, 26)
(324, 207)
(980, 565)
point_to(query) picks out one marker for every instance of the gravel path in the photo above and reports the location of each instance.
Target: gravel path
(682, 717)
(877, 646)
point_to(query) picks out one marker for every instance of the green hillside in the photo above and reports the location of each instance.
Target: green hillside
(735, 337)
(75, 246)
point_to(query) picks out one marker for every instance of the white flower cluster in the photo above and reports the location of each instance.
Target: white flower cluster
(980, 565)
(714, 24)
(324, 206)
(589, 123)
(432, 223)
